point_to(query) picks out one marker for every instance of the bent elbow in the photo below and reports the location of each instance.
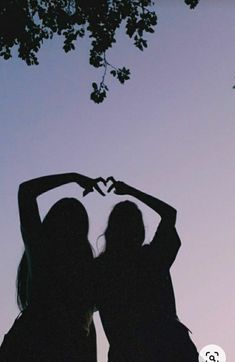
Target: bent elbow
(24, 190)
(170, 217)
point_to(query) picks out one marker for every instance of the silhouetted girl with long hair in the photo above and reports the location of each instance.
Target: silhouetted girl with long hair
(54, 279)
(134, 292)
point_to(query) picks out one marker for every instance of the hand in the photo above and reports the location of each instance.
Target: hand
(90, 184)
(120, 188)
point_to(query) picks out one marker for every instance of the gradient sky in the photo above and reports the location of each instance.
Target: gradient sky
(169, 131)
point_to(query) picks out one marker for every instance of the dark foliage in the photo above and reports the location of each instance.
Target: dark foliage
(26, 24)
(192, 3)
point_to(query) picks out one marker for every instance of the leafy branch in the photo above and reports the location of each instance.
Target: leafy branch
(26, 24)
(100, 92)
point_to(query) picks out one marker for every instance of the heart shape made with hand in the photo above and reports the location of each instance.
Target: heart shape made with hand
(102, 186)
(110, 183)
(105, 185)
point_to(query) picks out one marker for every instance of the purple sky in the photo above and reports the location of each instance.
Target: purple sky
(169, 131)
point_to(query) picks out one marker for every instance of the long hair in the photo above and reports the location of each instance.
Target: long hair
(23, 283)
(125, 230)
(66, 227)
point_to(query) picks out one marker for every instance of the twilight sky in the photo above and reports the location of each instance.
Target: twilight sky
(169, 131)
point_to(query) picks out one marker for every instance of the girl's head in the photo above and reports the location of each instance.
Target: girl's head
(125, 230)
(65, 233)
(65, 228)
(66, 225)
(63, 215)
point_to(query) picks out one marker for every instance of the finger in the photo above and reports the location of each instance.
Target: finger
(86, 192)
(111, 187)
(111, 178)
(100, 179)
(99, 190)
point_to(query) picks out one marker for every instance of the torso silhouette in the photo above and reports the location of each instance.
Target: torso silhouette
(54, 278)
(136, 301)
(57, 325)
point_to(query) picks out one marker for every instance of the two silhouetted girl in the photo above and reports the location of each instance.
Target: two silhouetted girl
(59, 283)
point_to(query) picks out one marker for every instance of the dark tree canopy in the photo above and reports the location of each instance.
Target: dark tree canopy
(26, 24)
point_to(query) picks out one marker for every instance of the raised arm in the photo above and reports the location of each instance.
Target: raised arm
(30, 190)
(166, 241)
(166, 212)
